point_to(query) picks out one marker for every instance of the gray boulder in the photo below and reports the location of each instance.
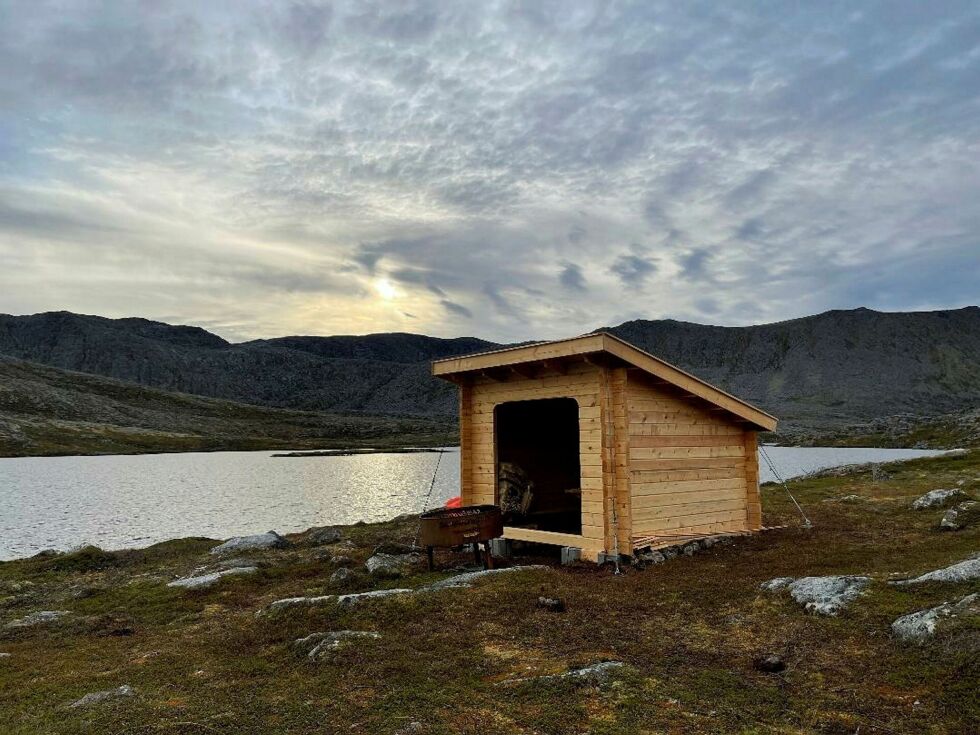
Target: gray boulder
(323, 536)
(341, 576)
(321, 600)
(962, 516)
(123, 692)
(391, 565)
(206, 580)
(919, 626)
(963, 571)
(821, 595)
(267, 540)
(937, 498)
(42, 617)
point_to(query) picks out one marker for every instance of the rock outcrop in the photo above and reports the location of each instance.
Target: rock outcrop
(963, 571)
(207, 580)
(822, 595)
(42, 617)
(920, 626)
(937, 498)
(962, 516)
(267, 540)
(93, 698)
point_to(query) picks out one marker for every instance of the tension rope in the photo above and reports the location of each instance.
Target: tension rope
(807, 524)
(428, 496)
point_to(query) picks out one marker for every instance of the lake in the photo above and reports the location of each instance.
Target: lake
(125, 501)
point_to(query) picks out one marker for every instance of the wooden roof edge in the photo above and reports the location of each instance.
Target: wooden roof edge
(536, 351)
(606, 342)
(683, 379)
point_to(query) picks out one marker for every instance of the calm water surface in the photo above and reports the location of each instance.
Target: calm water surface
(123, 501)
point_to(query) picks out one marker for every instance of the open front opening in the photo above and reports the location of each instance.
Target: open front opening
(538, 474)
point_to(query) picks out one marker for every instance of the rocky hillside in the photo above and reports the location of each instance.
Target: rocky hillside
(48, 411)
(821, 371)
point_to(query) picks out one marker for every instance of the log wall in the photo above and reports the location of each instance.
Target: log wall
(693, 469)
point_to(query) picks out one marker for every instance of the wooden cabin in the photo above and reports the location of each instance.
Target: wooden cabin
(621, 450)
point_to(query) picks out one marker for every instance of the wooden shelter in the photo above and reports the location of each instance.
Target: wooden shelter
(622, 450)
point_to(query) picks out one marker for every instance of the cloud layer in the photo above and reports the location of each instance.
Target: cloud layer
(504, 169)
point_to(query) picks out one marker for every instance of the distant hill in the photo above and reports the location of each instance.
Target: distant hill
(49, 411)
(820, 371)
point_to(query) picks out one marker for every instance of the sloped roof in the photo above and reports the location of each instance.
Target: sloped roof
(603, 342)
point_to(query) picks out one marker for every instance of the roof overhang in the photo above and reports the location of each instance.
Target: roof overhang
(603, 343)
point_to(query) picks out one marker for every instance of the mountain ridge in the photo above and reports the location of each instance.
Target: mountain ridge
(825, 369)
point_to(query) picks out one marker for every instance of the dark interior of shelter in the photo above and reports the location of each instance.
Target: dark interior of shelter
(538, 472)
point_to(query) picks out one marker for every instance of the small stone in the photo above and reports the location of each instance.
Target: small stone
(935, 498)
(341, 575)
(331, 643)
(709, 542)
(323, 536)
(771, 663)
(652, 557)
(670, 552)
(267, 540)
(207, 580)
(597, 675)
(4, 654)
(88, 700)
(42, 617)
(691, 548)
(962, 516)
(554, 604)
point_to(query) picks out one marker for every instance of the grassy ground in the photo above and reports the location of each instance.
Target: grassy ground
(689, 630)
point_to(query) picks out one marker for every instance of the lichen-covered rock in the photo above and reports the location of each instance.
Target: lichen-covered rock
(123, 692)
(391, 565)
(467, 579)
(318, 646)
(291, 602)
(962, 516)
(922, 625)
(358, 597)
(822, 595)
(206, 580)
(267, 540)
(937, 498)
(963, 571)
(341, 575)
(776, 584)
(42, 617)
(596, 675)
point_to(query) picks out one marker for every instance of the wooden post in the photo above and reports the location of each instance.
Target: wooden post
(466, 443)
(753, 501)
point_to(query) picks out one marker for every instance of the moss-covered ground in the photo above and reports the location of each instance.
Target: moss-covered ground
(689, 631)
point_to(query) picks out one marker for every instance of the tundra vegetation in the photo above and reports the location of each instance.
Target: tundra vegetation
(692, 644)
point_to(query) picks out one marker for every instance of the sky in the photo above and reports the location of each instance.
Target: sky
(508, 170)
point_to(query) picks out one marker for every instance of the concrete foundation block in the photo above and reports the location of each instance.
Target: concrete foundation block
(570, 554)
(502, 548)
